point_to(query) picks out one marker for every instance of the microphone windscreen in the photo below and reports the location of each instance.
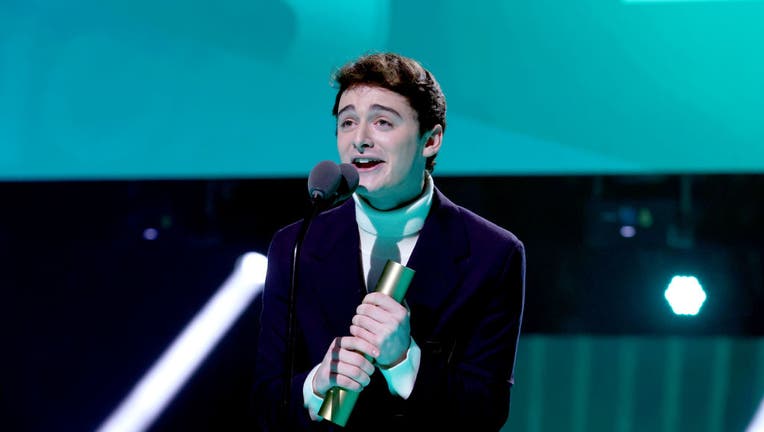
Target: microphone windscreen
(349, 180)
(324, 180)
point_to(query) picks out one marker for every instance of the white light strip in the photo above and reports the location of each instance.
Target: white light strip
(159, 385)
(757, 425)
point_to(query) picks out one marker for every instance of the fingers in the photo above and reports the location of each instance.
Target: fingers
(382, 308)
(354, 348)
(381, 316)
(344, 365)
(371, 330)
(384, 323)
(383, 301)
(347, 375)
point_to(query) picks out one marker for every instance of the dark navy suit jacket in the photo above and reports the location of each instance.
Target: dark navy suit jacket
(466, 301)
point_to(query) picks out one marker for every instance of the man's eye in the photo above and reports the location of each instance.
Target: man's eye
(346, 123)
(383, 122)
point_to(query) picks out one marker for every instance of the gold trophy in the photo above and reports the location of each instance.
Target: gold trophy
(339, 402)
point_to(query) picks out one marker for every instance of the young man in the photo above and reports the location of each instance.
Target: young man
(443, 358)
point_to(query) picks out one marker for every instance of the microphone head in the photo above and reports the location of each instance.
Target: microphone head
(324, 180)
(349, 182)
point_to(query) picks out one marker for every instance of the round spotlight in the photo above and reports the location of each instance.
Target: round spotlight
(627, 231)
(150, 234)
(685, 295)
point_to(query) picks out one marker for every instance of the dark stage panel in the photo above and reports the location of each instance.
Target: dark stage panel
(100, 276)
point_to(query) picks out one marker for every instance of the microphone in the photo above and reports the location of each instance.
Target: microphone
(349, 182)
(323, 181)
(328, 184)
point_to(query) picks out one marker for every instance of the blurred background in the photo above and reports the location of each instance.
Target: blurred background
(146, 146)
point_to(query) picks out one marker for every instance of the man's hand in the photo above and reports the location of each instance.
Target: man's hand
(384, 323)
(344, 365)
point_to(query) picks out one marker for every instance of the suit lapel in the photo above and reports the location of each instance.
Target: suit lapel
(438, 256)
(332, 267)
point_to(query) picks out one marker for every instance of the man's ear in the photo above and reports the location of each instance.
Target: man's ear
(433, 139)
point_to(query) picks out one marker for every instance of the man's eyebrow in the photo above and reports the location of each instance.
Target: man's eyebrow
(374, 107)
(346, 108)
(378, 107)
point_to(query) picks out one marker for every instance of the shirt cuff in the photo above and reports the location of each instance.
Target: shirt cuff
(312, 401)
(401, 377)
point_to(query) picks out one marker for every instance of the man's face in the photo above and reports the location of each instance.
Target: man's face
(378, 132)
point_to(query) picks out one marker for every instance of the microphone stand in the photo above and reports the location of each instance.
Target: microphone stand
(316, 208)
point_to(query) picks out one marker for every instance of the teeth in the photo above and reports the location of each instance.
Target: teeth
(365, 160)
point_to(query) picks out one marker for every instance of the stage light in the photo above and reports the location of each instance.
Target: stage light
(757, 424)
(628, 231)
(645, 217)
(150, 234)
(167, 376)
(685, 295)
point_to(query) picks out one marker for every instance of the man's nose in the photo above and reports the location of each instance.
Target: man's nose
(362, 141)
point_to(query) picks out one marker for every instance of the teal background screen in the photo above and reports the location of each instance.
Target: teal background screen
(233, 88)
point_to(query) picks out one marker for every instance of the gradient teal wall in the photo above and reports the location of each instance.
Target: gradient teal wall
(636, 384)
(232, 88)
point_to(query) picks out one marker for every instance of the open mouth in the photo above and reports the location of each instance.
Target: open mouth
(365, 163)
